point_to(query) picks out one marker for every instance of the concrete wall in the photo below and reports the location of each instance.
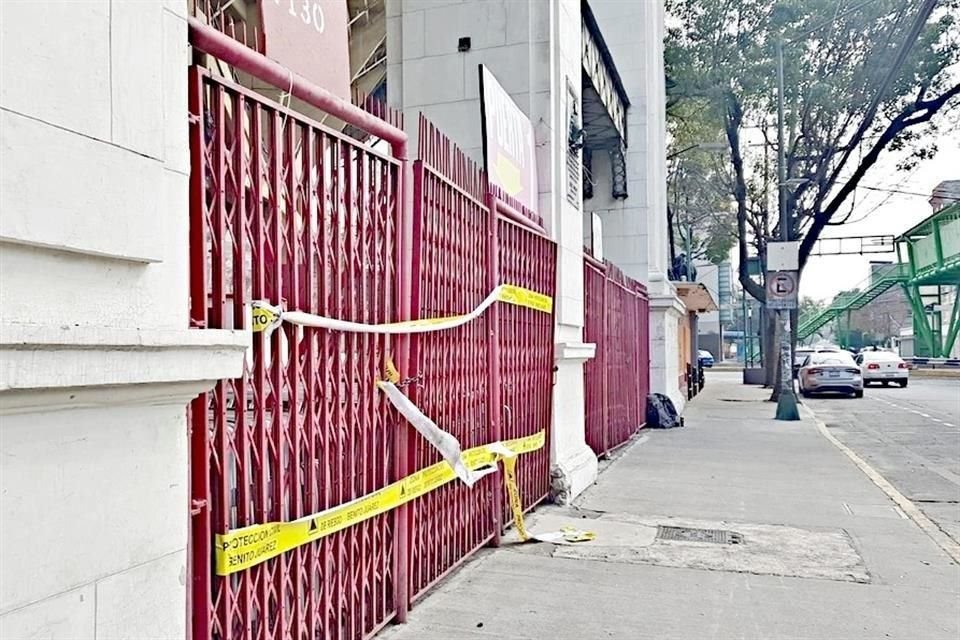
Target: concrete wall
(97, 360)
(635, 228)
(533, 48)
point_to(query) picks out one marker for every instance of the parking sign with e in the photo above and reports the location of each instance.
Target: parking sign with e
(782, 290)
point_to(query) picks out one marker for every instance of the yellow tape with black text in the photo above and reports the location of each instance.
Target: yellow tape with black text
(249, 546)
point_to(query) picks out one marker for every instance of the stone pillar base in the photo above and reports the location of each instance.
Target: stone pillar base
(573, 465)
(666, 311)
(573, 475)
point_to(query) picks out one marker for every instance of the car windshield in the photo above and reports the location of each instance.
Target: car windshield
(880, 356)
(838, 358)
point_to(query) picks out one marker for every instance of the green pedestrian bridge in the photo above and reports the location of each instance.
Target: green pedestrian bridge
(928, 267)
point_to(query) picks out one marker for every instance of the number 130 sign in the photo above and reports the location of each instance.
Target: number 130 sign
(309, 37)
(309, 11)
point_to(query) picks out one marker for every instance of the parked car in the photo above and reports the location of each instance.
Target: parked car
(801, 354)
(705, 358)
(830, 371)
(883, 367)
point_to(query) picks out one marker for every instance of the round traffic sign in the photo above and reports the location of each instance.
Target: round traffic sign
(783, 284)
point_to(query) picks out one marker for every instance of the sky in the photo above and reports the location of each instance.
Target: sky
(882, 213)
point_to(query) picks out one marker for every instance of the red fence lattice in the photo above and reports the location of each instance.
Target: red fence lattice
(617, 379)
(286, 210)
(451, 275)
(526, 258)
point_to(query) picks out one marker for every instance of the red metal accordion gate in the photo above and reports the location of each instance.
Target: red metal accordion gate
(617, 379)
(286, 210)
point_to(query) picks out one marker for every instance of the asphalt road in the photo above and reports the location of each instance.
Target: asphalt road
(911, 436)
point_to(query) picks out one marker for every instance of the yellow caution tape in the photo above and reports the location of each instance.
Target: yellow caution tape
(521, 297)
(264, 316)
(513, 491)
(267, 317)
(249, 546)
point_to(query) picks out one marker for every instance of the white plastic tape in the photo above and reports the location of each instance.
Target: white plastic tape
(442, 441)
(267, 317)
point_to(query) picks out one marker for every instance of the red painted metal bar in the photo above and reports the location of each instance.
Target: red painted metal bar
(209, 40)
(492, 320)
(511, 213)
(200, 568)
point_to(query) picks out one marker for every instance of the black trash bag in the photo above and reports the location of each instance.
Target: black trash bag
(661, 412)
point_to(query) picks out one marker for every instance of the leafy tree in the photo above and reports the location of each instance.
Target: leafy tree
(810, 307)
(700, 207)
(699, 199)
(860, 81)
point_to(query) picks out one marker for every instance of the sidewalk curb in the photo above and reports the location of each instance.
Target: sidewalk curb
(936, 374)
(942, 540)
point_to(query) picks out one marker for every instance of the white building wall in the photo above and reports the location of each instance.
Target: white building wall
(533, 48)
(96, 359)
(635, 228)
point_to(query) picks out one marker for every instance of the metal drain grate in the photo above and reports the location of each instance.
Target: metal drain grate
(687, 534)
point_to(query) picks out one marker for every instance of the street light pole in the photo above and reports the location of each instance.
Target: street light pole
(786, 400)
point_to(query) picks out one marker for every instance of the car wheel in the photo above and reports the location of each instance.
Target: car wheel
(858, 394)
(804, 393)
(903, 383)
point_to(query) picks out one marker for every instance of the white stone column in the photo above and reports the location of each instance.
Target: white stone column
(533, 48)
(97, 362)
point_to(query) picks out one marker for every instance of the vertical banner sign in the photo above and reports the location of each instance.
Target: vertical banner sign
(309, 37)
(509, 151)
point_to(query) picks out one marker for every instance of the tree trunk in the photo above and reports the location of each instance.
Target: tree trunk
(771, 353)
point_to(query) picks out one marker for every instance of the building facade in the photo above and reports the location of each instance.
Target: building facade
(98, 360)
(573, 68)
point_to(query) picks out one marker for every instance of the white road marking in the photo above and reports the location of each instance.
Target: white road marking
(915, 412)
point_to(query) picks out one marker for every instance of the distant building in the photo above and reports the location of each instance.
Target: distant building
(717, 279)
(945, 194)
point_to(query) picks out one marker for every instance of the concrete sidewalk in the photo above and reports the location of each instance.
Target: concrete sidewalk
(822, 552)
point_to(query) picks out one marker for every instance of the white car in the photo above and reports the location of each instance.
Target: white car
(883, 367)
(801, 354)
(830, 371)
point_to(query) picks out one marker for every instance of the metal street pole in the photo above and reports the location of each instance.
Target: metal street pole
(743, 308)
(787, 400)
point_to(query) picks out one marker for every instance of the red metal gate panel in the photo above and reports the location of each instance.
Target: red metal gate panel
(643, 347)
(594, 371)
(451, 276)
(286, 210)
(527, 258)
(617, 380)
